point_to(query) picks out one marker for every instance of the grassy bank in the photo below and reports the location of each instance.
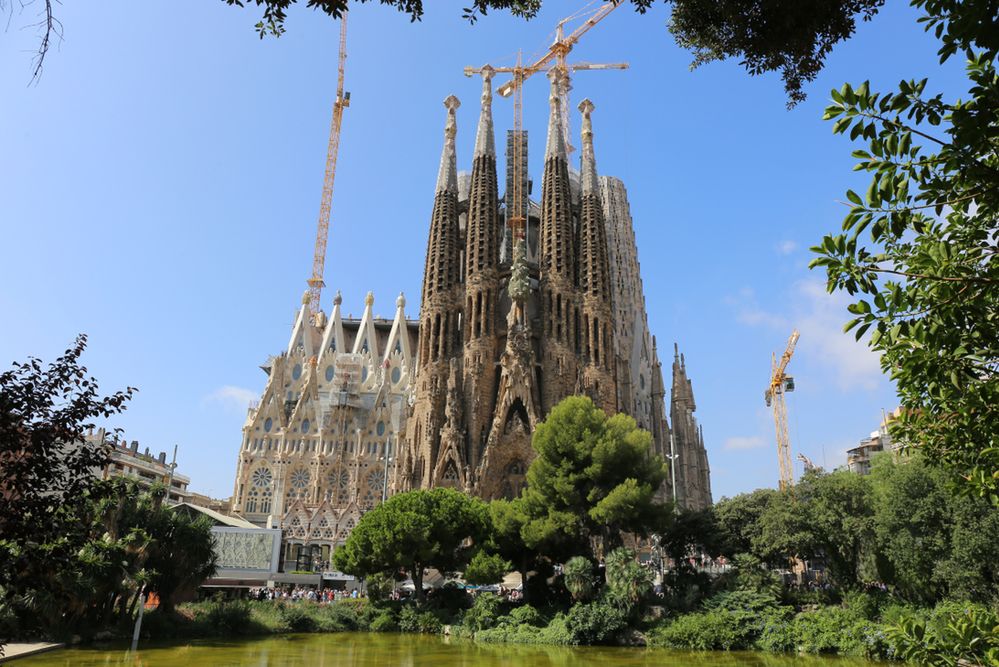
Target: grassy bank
(863, 625)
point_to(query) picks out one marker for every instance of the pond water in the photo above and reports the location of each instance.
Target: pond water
(350, 648)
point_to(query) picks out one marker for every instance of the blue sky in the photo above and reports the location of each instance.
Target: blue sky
(161, 185)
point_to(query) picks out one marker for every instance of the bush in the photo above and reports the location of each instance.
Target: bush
(226, 618)
(385, 621)
(527, 615)
(831, 630)
(450, 598)
(954, 634)
(379, 586)
(717, 630)
(484, 613)
(298, 618)
(413, 620)
(864, 604)
(777, 634)
(595, 623)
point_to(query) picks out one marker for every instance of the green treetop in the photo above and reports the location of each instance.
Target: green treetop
(415, 530)
(594, 477)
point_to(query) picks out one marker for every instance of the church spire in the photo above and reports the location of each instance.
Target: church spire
(594, 266)
(485, 141)
(447, 176)
(589, 161)
(483, 235)
(563, 326)
(556, 134)
(599, 373)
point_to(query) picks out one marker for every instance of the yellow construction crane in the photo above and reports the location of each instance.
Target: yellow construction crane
(341, 102)
(781, 383)
(557, 52)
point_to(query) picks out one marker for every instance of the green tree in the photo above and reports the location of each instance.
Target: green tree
(593, 478)
(183, 555)
(933, 543)
(628, 582)
(508, 518)
(738, 520)
(413, 531)
(919, 249)
(485, 569)
(839, 509)
(577, 575)
(46, 465)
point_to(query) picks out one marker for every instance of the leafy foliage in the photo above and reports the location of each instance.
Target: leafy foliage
(784, 36)
(46, 466)
(486, 569)
(595, 623)
(593, 477)
(967, 635)
(628, 582)
(919, 248)
(789, 36)
(904, 525)
(577, 575)
(415, 530)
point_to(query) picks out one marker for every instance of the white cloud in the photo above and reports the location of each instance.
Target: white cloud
(786, 247)
(231, 398)
(821, 329)
(820, 317)
(744, 442)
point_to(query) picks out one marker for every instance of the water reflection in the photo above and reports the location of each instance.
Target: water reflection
(406, 651)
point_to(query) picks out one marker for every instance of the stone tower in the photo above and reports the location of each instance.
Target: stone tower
(597, 373)
(693, 479)
(440, 318)
(557, 273)
(482, 281)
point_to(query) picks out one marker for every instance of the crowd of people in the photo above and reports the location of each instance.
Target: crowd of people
(311, 594)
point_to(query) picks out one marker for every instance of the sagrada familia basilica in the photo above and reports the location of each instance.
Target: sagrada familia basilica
(524, 303)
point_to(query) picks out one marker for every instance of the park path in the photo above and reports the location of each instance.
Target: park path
(14, 651)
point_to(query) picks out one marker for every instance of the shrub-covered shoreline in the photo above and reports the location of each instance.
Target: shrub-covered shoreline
(862, 625)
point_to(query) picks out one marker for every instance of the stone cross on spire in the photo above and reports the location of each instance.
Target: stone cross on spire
(447, 177)
(485, 142)
(589, 160)
(556, 135)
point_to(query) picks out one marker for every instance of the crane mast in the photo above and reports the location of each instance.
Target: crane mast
(341, 102)
(780, 384)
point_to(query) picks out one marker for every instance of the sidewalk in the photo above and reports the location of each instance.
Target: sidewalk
(13, 651)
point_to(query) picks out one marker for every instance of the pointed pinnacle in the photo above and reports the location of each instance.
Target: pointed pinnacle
(485, 142)
(447, 177)
(556, 136)
(589, 161)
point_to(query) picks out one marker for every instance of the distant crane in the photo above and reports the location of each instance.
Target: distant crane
(341, 102)
(556, 52)
(807, 462)
(781, 383)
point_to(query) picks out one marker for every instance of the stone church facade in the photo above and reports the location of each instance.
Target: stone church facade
(320, 447)
(524, 303)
